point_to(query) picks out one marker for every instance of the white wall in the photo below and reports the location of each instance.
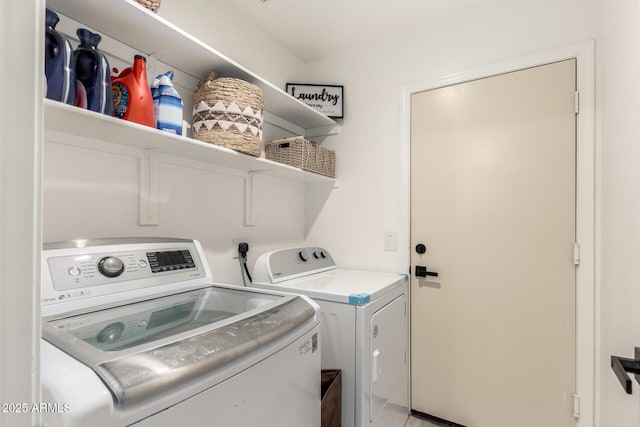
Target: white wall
(620, 253)
(90, 194)
(221, 27)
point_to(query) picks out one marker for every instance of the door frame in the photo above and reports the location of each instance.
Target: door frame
(587, 287)
(21, 118)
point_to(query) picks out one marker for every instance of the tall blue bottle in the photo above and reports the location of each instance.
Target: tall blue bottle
(92, 70)
(59, 64)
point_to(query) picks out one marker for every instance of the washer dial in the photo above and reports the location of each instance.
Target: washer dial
(111, 266)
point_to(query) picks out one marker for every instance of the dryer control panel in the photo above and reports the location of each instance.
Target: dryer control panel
(285, 264)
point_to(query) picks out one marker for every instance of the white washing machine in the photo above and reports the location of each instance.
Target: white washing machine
(135, 333)
(364, 329)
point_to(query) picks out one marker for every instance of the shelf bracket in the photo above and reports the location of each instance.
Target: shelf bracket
(149, 189)
(248, 200)
(249, 206)
(621, 366)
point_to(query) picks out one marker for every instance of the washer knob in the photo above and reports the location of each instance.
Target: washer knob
(302, 256)
(322, 254)
(111, 266)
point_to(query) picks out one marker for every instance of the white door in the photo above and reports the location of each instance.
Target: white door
(493, 201)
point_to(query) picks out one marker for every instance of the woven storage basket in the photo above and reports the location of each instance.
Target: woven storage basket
(228, 112)
(150, 4)
(303, 154)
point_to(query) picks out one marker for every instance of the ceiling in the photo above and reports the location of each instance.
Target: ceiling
(314, 29)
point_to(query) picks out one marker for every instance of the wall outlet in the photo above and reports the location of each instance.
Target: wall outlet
(390, 242)
(235, 242)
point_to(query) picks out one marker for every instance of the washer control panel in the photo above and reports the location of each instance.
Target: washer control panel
(70, 272)
(74, 273)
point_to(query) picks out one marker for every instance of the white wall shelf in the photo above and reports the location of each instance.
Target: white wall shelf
(71, 120)
(63, 119)
(153, 35)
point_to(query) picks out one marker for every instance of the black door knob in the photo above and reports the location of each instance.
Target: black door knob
(420, 248)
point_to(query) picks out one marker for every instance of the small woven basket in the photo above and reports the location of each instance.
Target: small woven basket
(228, 112)
(303, 154)
(150, 4)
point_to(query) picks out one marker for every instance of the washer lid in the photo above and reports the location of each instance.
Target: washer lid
(152, 346)
(342, 285)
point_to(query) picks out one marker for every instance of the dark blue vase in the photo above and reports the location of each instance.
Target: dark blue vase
(92, 70)
(59, 66)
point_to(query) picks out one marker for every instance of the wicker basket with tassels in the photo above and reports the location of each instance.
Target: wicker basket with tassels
(228, 112)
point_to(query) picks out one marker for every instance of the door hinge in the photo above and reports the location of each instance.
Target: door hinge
(576, 100)
(576, 254)
(576, 407)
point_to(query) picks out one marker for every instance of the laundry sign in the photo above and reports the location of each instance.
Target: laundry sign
(328, 99)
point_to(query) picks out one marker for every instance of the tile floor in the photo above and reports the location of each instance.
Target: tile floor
(417, 422)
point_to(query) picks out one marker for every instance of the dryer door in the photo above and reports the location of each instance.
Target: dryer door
(387, 382)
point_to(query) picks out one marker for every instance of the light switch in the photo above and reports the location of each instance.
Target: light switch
(390, 241)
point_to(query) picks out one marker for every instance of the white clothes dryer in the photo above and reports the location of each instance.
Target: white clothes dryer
(364, 329)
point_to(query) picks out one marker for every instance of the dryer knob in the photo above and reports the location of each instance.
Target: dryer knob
(303, 256)
(322, 254)
(111, 266)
